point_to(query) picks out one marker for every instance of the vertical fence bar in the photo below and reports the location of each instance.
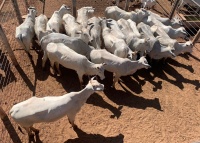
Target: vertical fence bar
(173, 9)
(126, 5)
(16, 8)
(7, 45)
(2, 113)
(44, 2)
(74, 7)
(196, 37)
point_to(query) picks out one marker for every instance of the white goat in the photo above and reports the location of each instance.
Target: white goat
(73, 43)
(135, 44)
(165, 40)
(84, 14)
(52, 108)
(175, 22)
(158, 50)
(173, 33)
(40, 25)
(116, 13)
(119, 66)
(95, 31)
(55, 22)
(58, 53)
(113, 44)
(25, 32)
(74, 29)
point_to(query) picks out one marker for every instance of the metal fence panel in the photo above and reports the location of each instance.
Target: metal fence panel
(189, 13)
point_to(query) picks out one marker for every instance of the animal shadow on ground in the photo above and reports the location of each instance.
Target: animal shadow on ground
(146, 74)
(177, 64)
(132, 84)
(159, 70)
(6, 74)
(84, 137)
(126, 98)
(97, 100)
(69, 79)
(194, 57)
(11, 130)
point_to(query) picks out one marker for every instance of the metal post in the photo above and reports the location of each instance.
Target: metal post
(173, 9)
(2, 113)
(8, 48)
(126, 5)
(44, 5)
(74, 7)
(196, 37)
(16, 8)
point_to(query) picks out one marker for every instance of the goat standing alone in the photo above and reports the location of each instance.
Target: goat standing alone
(51, 108)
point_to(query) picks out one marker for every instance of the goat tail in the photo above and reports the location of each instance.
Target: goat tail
(20, 129)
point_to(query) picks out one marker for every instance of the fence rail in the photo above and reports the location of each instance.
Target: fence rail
(190, 16)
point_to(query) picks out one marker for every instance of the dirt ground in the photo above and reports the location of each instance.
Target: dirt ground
(158, 105)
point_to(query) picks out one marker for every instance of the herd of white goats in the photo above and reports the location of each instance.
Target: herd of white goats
(76, 43)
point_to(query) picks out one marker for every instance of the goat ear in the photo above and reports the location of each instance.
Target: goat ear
(90, 23)
(78, 32)
(93, 78)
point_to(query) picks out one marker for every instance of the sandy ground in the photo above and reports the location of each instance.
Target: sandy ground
(158, 105)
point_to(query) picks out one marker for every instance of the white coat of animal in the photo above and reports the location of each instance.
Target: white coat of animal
(116, 13)
(164, 39)
(74, 29)
(25, 32)
(55, 23)
(52, 108)
(147, 33)
(84, 14)
(95, 30)
(115, 30)
(158, 50)
(115, 45)
(119, 66)
(73, 43)
(148, 3)
(175, 22)
(173, 33)
(40, 25)
(133, 26)
(135, 43)
(58, 53)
